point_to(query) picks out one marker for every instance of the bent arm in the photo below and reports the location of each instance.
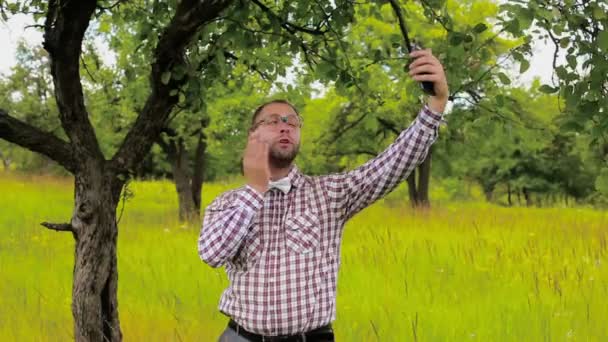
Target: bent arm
(225, 225)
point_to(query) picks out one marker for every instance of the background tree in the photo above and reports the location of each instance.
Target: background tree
(577, 30)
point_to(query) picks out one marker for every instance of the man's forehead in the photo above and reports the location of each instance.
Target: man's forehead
(277, 108)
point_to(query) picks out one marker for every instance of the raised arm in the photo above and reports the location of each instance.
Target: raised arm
(357, 189)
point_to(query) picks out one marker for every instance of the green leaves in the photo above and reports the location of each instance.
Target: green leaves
(524, 65)
(504, 78)
(500, 101)
(602, 39)
(371, 123)
(547, 89)
(455, 38)
(601, 183)
(479, 28)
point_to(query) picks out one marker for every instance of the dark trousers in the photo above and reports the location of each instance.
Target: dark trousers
(230, 335)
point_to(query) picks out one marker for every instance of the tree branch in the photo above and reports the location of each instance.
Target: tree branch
(251, 67)
(106, 8)
(60, 227)
(169, 55)
(65, 25)
(477, 102)
(389, 125)
(291, 27)
(465, 87)
(36, 140)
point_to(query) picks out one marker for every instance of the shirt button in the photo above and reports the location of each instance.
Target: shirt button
(275, 227)
(273, 252)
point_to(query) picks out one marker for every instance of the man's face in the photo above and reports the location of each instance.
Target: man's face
(283, 138)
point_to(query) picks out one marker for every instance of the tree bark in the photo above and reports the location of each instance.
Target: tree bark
(419, 192)
(412, 190)
(181, 176)
(188, 180)
(36, 140)
(94, 292)
(98, 183)
(424, 178)
(199, 170)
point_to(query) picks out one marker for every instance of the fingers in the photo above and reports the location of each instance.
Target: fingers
(421, 53)
(424, 60)
(256, 138)
(257, 148)
(425, 69)
(427, 77)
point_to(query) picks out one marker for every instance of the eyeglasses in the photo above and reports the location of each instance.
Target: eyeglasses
(273, 120)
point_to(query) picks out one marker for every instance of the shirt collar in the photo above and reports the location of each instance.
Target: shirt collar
(295, 176)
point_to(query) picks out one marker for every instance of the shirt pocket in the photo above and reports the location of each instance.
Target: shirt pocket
(302, 232)
(252, 246)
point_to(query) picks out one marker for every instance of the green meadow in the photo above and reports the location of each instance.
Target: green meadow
(461, 271)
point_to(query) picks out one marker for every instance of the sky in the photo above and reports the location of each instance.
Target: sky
(15, 29)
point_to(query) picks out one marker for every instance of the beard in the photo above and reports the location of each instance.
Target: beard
(281, 159)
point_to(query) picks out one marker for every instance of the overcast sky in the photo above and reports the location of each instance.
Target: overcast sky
(14, 29)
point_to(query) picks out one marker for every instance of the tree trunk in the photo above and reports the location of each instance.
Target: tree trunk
(97, 182)
(527, 197)
(411, 187)
(488, 191)
(181, 177)
(518, 197)
(419, 193)
(94, 292)
(424, 178)
(188, 182)
(509, 194)
(198, 172)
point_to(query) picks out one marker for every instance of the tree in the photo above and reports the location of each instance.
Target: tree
(577, 30)
(98, 182)
(178, 39)
(516, 147)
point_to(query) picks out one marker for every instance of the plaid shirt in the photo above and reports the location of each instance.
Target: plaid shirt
(282, 251)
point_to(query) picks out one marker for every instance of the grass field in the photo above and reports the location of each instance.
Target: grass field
(458, 272)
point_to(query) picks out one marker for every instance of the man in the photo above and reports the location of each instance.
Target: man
(279, 236)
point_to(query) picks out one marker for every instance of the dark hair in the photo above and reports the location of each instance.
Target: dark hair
(261, 107)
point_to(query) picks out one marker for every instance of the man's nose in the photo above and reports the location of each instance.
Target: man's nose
(284, 127)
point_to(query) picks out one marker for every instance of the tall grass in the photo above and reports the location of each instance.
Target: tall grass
(456, 272)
